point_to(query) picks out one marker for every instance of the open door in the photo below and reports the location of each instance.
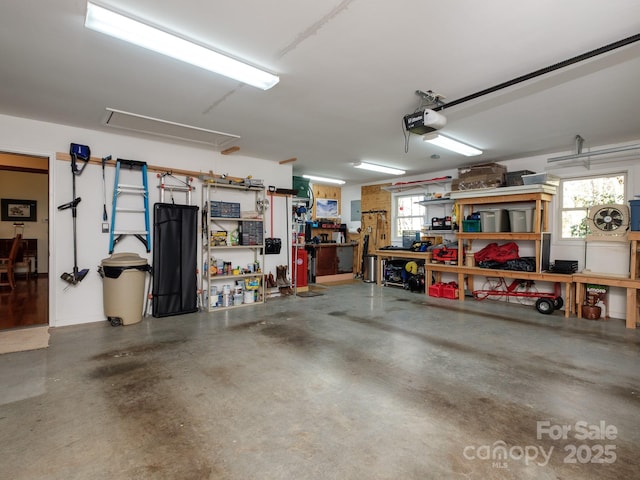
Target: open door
(24, 183)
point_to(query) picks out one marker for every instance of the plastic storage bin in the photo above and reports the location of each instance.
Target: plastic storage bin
(496, 220)
(123, 287)
(514, 179)
(541, 178)
(521, 220)
(634, 207)
(471, 226)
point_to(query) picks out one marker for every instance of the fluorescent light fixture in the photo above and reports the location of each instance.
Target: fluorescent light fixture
(111, 23)
(379, 168)
(451, 144)
(324, 179)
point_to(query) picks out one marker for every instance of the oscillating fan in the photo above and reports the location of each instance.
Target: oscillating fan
(608, 222)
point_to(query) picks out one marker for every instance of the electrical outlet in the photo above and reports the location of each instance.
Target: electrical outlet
(105, 228)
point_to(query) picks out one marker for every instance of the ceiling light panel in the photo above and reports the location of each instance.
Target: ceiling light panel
(379, 168)
(450, 144)
(111, 23)
(324, 179)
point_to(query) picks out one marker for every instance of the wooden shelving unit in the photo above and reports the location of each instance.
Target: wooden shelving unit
(234, 251)
(634, 238)
(540, 200)
(574, 297)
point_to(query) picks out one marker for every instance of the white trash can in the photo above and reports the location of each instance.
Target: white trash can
(123, 279)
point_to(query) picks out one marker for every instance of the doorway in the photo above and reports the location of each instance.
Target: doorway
(24, 183)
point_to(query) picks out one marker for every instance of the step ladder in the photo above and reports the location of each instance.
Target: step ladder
(121, 189)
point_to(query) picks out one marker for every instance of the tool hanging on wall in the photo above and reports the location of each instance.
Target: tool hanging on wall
(374, 222)
(105, 218)
(142, 190)
(182, 186)
(83, 153)
(273, 245)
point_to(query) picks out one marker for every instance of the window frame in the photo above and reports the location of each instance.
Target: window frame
(561, 208)
(395, 234)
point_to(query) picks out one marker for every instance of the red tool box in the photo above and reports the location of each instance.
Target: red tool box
(444, 254)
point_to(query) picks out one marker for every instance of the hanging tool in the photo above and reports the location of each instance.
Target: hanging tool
(105, 218)
(183, 186)
(83, 153)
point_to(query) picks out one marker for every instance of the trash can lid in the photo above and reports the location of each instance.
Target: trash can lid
(123, 260)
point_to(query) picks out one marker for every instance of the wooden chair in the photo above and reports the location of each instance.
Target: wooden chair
(7, 277)
(22, 261)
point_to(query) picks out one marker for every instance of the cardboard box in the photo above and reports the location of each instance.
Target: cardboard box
(218, 239)
(481, 169)
(479, 181)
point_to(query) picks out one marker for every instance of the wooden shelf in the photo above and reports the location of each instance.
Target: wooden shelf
(237, 219)
(437, 201)
(504, 194)
(630, 284)
(222, 276)
(404, 186)
(510, 236)
(634, 238)
(236, 247)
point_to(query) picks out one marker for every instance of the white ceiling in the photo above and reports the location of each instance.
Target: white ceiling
(348, 71)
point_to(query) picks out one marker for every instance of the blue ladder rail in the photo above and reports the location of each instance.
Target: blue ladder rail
(123, 189)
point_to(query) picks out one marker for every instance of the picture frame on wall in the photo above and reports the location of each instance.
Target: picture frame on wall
(13, 210)
(327, 208)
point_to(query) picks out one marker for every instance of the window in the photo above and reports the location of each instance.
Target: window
(578, 194)
(409, 215)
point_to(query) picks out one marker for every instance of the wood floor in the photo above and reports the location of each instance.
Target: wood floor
(27, 304)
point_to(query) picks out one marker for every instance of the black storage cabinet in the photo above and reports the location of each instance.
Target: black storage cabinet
(175, 279)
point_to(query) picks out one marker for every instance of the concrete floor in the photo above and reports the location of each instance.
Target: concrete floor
(362, 382)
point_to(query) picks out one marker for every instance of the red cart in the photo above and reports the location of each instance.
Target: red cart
(524, 291)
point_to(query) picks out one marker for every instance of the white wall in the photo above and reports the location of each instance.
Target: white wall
(82, 303)
(560, 249)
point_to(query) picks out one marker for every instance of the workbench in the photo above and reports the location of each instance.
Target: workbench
(574, 284)
(632, 285)
(436, 270)
(395, 254)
